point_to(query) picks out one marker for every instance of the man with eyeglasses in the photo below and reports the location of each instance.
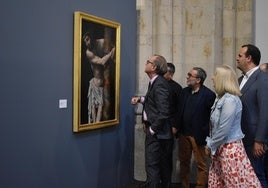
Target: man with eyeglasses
(157, 125)
(193, 126)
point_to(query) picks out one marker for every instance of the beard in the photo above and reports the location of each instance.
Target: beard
(191, 84)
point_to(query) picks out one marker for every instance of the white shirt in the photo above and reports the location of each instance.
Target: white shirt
(246, 77)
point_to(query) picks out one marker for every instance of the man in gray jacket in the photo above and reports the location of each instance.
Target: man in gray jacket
(254, 123)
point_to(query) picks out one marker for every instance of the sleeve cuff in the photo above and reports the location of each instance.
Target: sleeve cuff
(151, 131)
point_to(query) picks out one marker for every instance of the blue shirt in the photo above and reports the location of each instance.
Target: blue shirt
(225, 122)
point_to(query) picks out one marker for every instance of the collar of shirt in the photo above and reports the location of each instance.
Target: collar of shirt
(195, 91)
(153, 79)
(250, 72)
(246, 77)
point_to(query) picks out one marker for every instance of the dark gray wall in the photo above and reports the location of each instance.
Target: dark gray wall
(37, 145)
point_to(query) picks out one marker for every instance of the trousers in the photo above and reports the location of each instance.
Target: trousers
(187, 146)
(158, 161)
(259, 165)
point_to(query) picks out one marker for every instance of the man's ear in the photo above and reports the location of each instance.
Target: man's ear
(249, 58)
(153, 67)
(198, 80)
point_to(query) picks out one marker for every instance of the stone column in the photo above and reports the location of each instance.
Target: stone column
(145, 50)
(163, 28)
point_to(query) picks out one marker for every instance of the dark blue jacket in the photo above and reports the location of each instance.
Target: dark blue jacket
(200, 113)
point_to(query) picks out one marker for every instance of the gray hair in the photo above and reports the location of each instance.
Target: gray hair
(201, 73)
(161, 65)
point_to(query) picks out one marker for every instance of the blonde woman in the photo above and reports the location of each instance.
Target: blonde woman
(230, 166)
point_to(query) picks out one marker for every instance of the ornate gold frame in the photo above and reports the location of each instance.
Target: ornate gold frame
(86, 69)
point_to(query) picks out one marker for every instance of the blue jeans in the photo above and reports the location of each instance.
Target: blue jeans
(259, 165)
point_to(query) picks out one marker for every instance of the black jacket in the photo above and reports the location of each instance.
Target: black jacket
(157, 108)
(200, 113)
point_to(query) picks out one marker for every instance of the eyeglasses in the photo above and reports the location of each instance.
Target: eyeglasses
(189, 75)
(148, 61)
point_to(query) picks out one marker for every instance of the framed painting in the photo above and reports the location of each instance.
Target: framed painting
(96, 73)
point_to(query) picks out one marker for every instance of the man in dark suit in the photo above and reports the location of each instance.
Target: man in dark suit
(193, 126)
(176, 90)
(254, 123)
(157, 126)
(264, 68)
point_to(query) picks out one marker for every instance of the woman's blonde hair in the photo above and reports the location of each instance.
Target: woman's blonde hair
(226, 81)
